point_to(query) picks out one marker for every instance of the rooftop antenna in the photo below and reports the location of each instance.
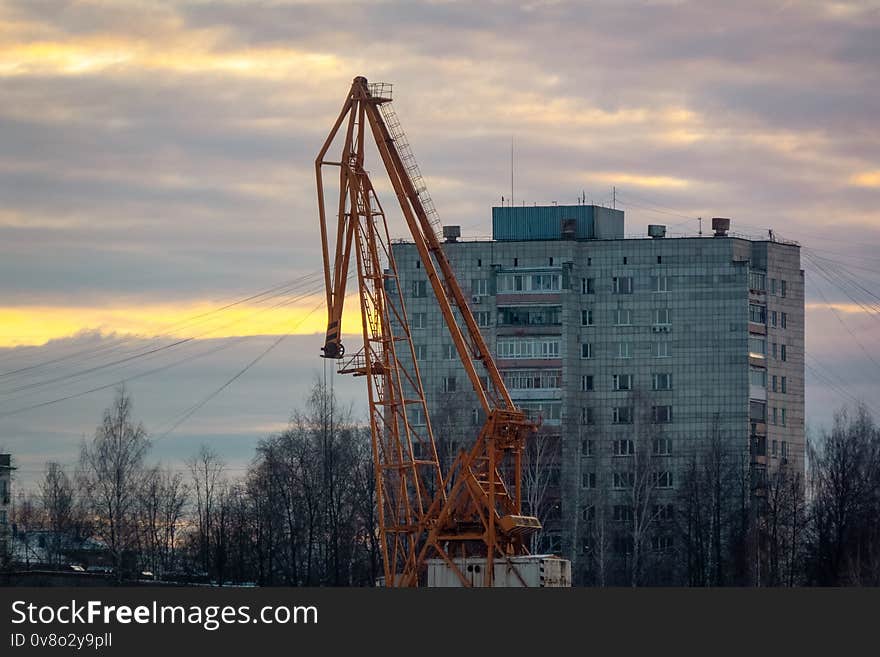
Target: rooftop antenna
(700, 219)
(614, 198)
(511, 170)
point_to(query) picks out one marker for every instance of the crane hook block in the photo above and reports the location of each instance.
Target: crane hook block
(333, 350)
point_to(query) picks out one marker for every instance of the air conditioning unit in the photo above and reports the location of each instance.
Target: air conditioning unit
(476, 299)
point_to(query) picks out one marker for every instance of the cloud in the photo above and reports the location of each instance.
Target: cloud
(159, 155)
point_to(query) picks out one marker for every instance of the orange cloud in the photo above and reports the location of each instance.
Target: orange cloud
(866, 179)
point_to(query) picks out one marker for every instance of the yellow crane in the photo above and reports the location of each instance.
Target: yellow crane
(474, 509)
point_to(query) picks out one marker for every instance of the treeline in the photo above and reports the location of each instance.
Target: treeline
(731, 520)
(304, 513)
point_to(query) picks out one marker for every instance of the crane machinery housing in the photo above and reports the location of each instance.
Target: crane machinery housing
(473, 512)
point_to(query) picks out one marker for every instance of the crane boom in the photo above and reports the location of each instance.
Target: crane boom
(474, 509)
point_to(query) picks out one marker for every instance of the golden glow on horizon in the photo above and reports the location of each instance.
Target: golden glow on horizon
(36, 325)
(98, 54)
(623, 178)
(866, 179)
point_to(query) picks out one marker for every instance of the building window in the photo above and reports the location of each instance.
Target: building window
(624, 350)
(784, 320)
(587, 317)
(773, 416)
(479, 287)
(479, 262)
(531, 316)
(662, 479)
(622, 415)
(622, 480)
(757, 281)
(757, 313)
(773, 381)
(624, 259)
(450, 353)
(661, 350)
(662, 414)
(588, 286)
(545, 282)
(757, 411)
(772, 286)
(782, 287)
(773, 448)
(622, 513)
(661, 316)
(417, 416)
(758, 377)
(772, 318)
(662, 446)
(588, 480)
(774, 350)
(784, 385)
(623, 447)
(622, 381)
(419, 289)
(660, 283)
(757, 347)
(546, 411)
(448, 384)
(784, 449)
(418, 264)
(588, 513)
(662, 543)
(421, 351)
(418, 321)
(543, 379)
(587, 447)
(587, 382)
(528, 348)
(662, 381)
(782, 417)
(622, 285)
(623, 317)
(782, 353)
(586, 350)
(587, 415)
(483, 318)
(529, 283)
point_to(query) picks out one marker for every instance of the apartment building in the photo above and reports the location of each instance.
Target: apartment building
(638, 355)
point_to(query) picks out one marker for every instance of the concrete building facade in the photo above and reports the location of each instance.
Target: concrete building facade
(636, 354)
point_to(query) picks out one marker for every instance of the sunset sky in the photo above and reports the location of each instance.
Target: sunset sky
(157, 163)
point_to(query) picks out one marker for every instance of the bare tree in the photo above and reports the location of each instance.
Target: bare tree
(162, 499)
(112, 466)
(844, 478)
(206, 470)
(540, 479)
(57, 497)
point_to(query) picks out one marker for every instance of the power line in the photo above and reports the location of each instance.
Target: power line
(196, 407)
(116, 342)
(148, 352)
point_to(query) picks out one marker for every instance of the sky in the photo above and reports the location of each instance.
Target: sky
(157, 163)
